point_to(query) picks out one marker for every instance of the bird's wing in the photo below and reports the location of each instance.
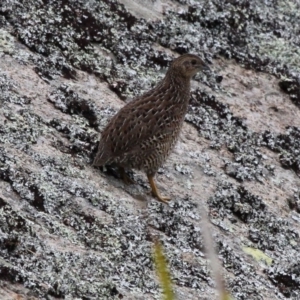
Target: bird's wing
(134, 124)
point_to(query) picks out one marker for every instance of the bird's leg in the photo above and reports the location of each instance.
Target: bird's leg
(155, 191)
(125, 177)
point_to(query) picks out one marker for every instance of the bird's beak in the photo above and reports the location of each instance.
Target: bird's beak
(205, 67)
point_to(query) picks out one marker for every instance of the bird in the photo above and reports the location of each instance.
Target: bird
(142, 133)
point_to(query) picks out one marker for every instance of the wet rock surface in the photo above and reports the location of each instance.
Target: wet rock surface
(72, 231)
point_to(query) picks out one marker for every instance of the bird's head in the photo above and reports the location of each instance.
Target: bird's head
(187, 65)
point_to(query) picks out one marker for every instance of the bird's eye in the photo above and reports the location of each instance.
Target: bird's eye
(194, 62)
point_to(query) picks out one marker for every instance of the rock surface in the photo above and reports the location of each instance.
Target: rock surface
(70, 231)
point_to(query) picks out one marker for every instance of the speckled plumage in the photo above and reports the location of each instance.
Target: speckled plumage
(142, 134)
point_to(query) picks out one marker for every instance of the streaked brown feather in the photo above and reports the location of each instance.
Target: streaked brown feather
(139, 121)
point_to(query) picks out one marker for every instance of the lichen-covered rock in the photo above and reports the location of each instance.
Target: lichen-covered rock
(70, 231)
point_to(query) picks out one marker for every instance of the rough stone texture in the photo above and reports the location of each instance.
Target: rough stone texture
(70, 231)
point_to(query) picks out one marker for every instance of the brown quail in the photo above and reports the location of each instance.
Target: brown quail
(142, 134)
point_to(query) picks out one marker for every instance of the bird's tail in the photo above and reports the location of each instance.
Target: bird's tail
(101, 157)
